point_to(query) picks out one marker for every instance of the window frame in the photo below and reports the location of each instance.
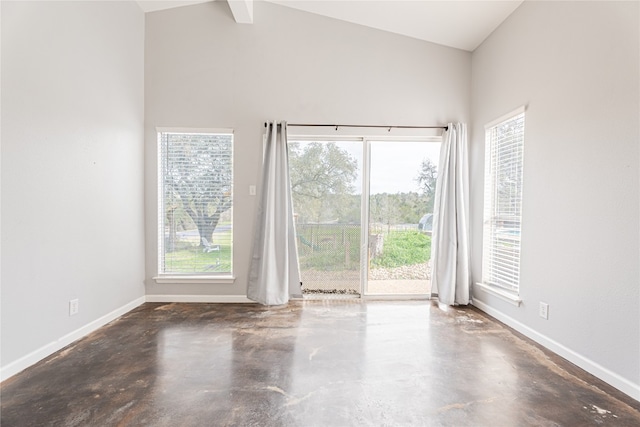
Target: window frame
(509, 288)
(192, 277)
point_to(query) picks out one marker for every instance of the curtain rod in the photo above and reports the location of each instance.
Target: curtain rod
(363, 126)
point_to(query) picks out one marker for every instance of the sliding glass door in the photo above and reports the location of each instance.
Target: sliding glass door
(363, 212)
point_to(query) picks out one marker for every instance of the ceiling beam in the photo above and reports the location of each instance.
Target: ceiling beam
(242, 11)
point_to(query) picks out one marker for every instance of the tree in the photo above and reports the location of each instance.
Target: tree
(426, 179)
(385, 209)
(322, 176)
(198, 178)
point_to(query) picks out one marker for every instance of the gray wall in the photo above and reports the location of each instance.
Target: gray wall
(72, 167)
(204, 70)
(575, 66)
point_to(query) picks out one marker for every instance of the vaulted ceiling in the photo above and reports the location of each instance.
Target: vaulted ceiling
(459, 24)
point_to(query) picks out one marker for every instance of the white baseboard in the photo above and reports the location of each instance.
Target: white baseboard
(583, 362)
(37, 355)
(200, 298)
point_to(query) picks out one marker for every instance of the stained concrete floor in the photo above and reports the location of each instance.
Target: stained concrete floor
(311, 363)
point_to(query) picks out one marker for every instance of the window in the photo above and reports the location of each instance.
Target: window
(504, 144)
(195, 203)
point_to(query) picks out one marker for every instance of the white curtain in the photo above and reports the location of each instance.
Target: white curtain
(450, 276)
(275, 274)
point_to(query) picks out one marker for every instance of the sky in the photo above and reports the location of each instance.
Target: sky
(394, 165)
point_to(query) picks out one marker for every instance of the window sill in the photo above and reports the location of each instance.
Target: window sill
(501, 293)
(180, 279)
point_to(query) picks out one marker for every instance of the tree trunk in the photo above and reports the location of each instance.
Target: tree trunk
(206, 231)
(170, 242)
(206, 227)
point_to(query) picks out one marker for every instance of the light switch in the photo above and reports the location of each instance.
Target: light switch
(252, 190)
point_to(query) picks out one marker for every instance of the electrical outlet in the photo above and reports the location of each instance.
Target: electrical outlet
(74, 306)
(544, 310)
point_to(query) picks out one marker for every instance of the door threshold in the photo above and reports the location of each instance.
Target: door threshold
(399, 297)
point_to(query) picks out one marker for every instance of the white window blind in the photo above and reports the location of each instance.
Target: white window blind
(195, 201)
(504, 145)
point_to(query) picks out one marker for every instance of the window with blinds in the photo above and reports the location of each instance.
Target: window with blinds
(504, 143)
(195, 203)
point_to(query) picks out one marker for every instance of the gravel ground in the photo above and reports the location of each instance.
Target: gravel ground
(416, 271)
(348, 281)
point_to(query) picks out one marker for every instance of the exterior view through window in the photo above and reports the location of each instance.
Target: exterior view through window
(327, 196)
(402, 184)
(363, 211)
(504, 144)
(195, 203)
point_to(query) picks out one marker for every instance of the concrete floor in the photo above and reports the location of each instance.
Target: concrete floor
(311, 363)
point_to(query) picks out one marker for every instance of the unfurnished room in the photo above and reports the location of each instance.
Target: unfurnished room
(319, 213)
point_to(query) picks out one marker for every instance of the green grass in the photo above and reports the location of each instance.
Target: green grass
(320, 248)
(193, 260)
(331, 260)
(189, 257)
(404, 248)
(324, 247)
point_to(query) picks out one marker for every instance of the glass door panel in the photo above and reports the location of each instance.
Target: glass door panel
(402, 178)
(326, 182)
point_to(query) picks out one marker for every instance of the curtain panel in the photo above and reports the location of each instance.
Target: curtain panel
(274, 275)
(450, 277)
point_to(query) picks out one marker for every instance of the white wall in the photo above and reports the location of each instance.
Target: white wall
(72, 170)
(204, 70)
(575, 66)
